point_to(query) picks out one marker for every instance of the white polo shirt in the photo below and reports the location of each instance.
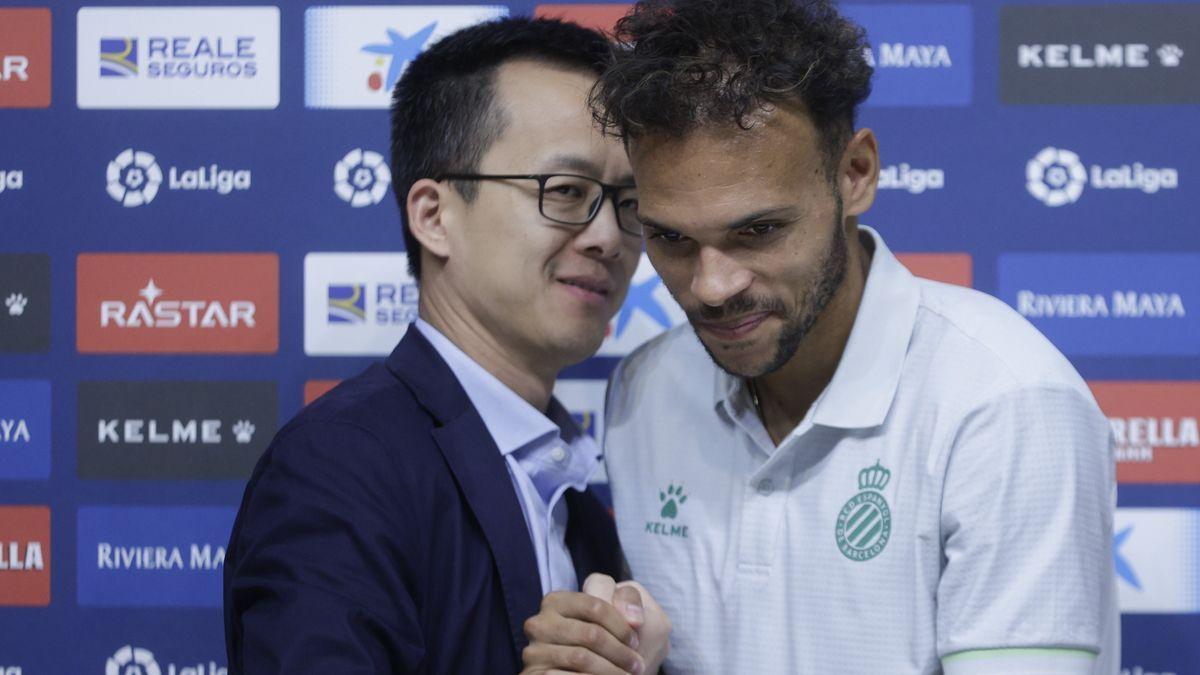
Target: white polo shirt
(945, 505)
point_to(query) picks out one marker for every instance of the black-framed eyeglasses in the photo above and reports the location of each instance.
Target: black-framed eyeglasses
(571, 199)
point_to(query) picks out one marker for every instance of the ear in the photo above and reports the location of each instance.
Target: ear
(427, 206)
(858, 173)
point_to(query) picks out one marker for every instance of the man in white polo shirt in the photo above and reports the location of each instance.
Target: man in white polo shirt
(837, 468)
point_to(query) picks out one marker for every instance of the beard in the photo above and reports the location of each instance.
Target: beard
(798, 321)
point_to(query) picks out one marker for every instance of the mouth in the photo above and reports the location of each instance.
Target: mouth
(594, 290)
(733, 329)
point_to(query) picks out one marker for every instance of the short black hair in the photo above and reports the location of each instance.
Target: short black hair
(688, 63)
(443, 111)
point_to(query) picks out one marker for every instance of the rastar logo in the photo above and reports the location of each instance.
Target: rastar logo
(949, 268)
(24, 555)
(178, 303)
(1156, 429)
(910, 179)
(1057, 177)
(153, 311)
(24, 58)
(134, 178)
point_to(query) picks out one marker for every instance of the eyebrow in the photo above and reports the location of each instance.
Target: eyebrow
(775, 213)
(573, 163)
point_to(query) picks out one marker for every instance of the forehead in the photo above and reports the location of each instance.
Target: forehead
(717, 174)
(544, 105)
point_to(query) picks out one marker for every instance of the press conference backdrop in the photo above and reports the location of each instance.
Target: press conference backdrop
(197, 237)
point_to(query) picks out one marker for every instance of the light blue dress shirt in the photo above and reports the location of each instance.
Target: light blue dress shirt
(546, 456)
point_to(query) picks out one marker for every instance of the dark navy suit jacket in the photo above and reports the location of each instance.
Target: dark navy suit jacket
(381, 533)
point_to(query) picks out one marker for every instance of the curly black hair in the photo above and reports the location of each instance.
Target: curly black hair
(687, 63)
(444, 113)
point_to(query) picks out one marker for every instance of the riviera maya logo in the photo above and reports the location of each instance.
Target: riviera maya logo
(671, 499)
(133, 178)
(865, 523)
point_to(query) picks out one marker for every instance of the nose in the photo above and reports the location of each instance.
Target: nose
(601, 238)
(718, 277)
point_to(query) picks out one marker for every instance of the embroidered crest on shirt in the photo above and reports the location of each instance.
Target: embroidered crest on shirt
(865, 522)
(672, 499)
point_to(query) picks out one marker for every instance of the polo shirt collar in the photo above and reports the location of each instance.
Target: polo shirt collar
(868, 375)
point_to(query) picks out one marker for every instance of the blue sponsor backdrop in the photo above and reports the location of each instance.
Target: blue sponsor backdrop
(936, 109)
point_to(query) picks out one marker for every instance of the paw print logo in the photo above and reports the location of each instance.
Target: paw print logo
(15, 303)
(243, 431)
(672, 499)
(1170, 55)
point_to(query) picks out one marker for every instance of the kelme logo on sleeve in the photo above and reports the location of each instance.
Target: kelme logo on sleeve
(865, 523)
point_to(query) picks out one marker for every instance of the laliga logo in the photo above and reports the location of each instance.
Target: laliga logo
(133, 178)
(131, 660)
(1056, 177)
(361, 178)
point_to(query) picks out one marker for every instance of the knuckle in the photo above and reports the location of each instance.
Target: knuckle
(576, 658)
(532, 626)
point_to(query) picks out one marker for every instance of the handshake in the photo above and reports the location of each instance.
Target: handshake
(608, 629)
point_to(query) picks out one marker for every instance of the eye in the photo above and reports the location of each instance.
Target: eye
(665, 236)
(759, 229)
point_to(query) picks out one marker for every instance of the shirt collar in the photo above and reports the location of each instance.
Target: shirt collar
(865, 382)
(510, 419)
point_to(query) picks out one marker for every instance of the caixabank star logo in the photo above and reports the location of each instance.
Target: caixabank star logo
(353, 56)
(177, 303)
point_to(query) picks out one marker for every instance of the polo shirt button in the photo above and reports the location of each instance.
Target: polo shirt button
(765, 487)
(558, 454)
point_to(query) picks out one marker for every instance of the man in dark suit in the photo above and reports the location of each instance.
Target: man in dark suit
(412, 519)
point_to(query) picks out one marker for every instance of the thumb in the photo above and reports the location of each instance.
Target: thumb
(629, 601)
(600, 586)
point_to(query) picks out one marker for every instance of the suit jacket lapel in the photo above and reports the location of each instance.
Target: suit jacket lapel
(481, 473)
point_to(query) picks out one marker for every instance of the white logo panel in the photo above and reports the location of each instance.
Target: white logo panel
(649, 310)
(177, 57)
(356, 304)
(1156, 552)
(353, 56)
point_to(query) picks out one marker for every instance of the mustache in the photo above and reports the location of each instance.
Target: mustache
(736, 306)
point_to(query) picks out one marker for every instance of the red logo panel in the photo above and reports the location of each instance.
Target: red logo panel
(950, 268)
(315, 389)
(598, 16)
(25, 58)
(1155, 425)
(177, 303)
(25, 556)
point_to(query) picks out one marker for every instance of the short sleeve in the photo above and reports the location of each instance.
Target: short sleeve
(1027, 516)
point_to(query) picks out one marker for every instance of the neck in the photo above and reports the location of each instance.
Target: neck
(785, 395)
(532, 380)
